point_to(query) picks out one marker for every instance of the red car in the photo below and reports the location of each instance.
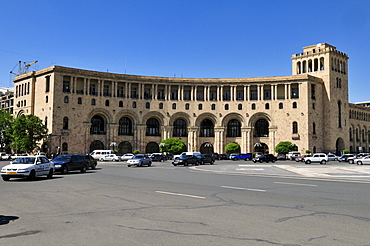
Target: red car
(300, 158)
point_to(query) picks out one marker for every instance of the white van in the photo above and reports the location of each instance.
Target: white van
(292, 155)
(186, 153)
(98, 153)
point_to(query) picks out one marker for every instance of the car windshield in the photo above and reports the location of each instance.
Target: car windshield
(27, 160)
(138, 157)
(62, 158)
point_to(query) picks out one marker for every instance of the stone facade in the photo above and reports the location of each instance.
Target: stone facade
(86, 110)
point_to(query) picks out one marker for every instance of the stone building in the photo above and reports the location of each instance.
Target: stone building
(86, 110)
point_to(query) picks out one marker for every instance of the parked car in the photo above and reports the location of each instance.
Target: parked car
(321, 158)
(157, 157)
(99, 153)
(224, 157)
(139, 161)
(205, 158)
(216, 156)
(186, 160)
(345, 157)
(363, 160)
(281, 156)
(90, 161)
(332, 157)
(256, 154)
(292, 155)
(301, 158)
(67, 163)
(264, 158)
(5, 156)
(352, 160)
(126, 157)
(110, 157)
(28, 167)
(242, 156)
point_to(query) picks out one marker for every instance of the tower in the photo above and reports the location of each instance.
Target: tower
(331, 66)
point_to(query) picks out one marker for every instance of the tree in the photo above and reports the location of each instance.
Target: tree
(172, 146)
(285, 147)
(232, 148)
(26, 132)
(5, 125)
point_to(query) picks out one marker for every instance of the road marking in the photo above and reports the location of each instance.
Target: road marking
(179, 194)
(249, 169)
(294, 184)
(246, 165)
(241, 188)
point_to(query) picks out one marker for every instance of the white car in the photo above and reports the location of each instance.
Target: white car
(28, 167)
(321, 158)
(363, 160)
(110, 157)
(126, 157)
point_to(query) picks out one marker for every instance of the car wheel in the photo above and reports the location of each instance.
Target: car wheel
(32, 175)
(211, 162)
(235, 159)
(51, 172)
(175, 165)
(261, 161)
(254, 161)
(308, 162)
(273, 161)
(93, 167)
(323, 162)
(359, 163)
(83, 169)
(186, 164)
(351, 161)
(64, 170)
(101, 159)
(202, 163)
(150, 163)
(129, 165)
(6, 178)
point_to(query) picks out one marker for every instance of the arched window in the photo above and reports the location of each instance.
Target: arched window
(233, 128)
(65, 123)
(314, 128)
(261, 128)
(133, 104)
(107, 103)
(200, 106)
(93, 102)
(97, 125)
(350, 134)
(240, 106)
(46, 99)
(180, 128)
(64, 147)
(253, 106)
(66, 99)
(206, 128)
(226, 106)
(295, 127)
(152, 127)
(339, 114)
(187, 106)
(281, 105)
(294, 105)
(125, 127)
(173, 105)
(213, 107)
(321, 63)
(120, 104)
(147, 105)
(267, 106)
(79, 100)
(160, 106)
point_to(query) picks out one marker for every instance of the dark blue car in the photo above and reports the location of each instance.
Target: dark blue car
(242, 156)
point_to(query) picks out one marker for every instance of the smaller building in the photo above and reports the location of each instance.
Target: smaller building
(7, 99)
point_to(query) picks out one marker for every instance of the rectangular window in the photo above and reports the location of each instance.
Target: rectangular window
(66, 87)
(47, 84)
(174, 95)
(267, 94)
(120, 91)
(240, 95)
(213, 96)
(227, 96)
(186, 94)
(295, 92)
(147, 93)
(106, 91)
(160, 94)
(253, 95)
(93, 90)
(200, 95)
(134, 92)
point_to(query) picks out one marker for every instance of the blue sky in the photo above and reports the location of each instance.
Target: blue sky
(183, 38)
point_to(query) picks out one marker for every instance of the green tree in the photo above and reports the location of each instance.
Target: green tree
(308, 151)
(136, 151)
(232, 148)
(172, 146)
(285, 147)
(26, 132)
(5, 125)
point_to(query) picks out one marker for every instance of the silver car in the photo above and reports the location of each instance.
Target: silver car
(363, 160)
(139, 161)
